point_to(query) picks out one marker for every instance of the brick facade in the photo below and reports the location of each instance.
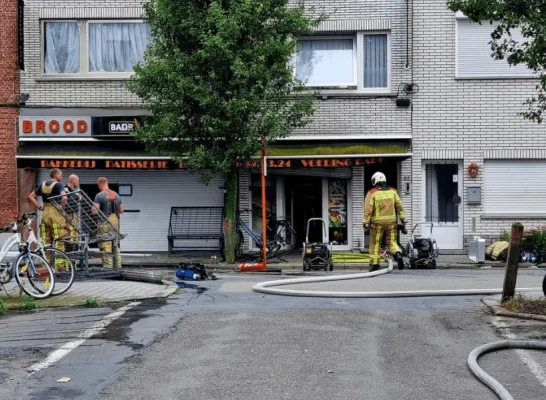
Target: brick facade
(465, 120)
(9, 98)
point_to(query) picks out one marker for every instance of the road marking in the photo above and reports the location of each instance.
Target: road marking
(83, 336)
(524, 355)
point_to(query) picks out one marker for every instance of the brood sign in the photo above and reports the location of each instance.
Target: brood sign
(54, 126)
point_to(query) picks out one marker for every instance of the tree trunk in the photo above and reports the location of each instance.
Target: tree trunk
(230, 218)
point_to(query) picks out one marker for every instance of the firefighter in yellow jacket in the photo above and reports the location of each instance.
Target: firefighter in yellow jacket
(382, 207)
(53, 225)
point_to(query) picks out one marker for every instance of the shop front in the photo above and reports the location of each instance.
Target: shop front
(95, 146)
(331, 187)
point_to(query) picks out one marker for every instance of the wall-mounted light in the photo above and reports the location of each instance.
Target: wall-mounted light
(403, 103)
(23, 98)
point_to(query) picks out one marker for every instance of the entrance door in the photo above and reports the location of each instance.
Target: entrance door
(442, 205)
(304, 201)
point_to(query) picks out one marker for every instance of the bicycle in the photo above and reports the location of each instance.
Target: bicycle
(27, 264)
(280, 240)
(63, 267)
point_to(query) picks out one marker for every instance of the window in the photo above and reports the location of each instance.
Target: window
(474, 58)
(358, 62)
(94, 48)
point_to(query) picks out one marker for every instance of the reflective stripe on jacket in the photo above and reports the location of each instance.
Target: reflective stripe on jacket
(382, 205)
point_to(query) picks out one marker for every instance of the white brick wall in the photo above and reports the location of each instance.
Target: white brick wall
(75, 93)
(363, 115)
(465, 120)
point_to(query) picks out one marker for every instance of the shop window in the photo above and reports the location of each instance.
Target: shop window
(271, 196)
(337, 211)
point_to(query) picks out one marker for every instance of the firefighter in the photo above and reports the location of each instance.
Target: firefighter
(382, 207)
(109, 203)
(53, 225)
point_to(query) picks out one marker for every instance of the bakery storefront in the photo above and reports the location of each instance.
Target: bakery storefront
(320, 180)
(96, 146)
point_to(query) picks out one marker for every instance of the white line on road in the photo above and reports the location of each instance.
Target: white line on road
(83, 336)
(524, 355)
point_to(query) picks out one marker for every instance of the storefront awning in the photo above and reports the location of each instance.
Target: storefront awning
(333, 150)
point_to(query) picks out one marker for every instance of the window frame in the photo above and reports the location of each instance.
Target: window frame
(84, 51)
(459, 16)
(357, 86)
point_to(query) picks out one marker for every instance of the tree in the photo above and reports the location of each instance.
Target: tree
(217, 77)
(530, 17)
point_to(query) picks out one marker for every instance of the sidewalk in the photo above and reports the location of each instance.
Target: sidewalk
(103, 290)
(293, 261)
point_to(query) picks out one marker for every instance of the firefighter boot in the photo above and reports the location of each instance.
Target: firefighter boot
(374, 267)
(399, 260)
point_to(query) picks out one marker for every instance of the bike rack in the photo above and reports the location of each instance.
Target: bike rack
(92, 226)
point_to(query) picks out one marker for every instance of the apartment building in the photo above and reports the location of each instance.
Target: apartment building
(466, 116)
(359, 60)
(10, 63)
(78, 116)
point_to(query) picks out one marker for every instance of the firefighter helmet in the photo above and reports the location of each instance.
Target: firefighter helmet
(378, 177)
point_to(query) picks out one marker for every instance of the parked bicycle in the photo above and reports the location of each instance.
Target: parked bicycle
(63, 267)
(32, 272)
(281, 237)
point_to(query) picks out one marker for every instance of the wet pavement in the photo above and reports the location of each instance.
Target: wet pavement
(219, 340)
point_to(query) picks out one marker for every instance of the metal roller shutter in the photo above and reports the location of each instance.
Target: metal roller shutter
(154, 193)
(514, 186)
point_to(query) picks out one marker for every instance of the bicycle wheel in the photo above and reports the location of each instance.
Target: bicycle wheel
(34, 275)
(63, 268)
(288, 237)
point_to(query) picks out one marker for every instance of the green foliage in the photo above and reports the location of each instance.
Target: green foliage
(530, 17)
(27, 304)
(92, 302)
(504, 236)
(217, 77)
(3, 308)
(534, 239)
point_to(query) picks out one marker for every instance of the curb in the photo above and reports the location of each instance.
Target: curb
(494, 305)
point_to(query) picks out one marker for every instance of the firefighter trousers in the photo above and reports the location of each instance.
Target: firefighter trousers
(107, 248)
(379, 232)
(52, 228)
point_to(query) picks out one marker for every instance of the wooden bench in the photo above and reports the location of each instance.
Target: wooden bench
(190, 226)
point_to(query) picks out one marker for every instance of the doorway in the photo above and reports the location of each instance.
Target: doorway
(442, 203)
(304, 201)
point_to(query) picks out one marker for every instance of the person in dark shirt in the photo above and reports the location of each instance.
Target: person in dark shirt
(53, 225)
(109, 203)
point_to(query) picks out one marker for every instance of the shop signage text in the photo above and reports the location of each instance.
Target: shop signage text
(168, 164)
(110, 126)
(314, 163)
(52, 126)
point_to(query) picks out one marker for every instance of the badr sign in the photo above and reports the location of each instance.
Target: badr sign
(55, 126)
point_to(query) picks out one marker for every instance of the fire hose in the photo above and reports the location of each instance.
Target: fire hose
(272, 287)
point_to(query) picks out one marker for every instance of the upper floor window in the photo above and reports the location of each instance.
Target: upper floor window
(358, 62)
(93, 48)
(474, 55)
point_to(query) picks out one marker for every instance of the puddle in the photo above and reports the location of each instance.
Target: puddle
(185, 285)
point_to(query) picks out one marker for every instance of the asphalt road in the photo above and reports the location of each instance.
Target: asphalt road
(222, 341)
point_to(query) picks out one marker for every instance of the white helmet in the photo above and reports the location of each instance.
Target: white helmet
(378, 177)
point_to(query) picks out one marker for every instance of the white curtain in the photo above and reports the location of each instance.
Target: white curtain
(325, 62)
(375, 61)
(432, 202)
(116, 47)
(62, 48)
